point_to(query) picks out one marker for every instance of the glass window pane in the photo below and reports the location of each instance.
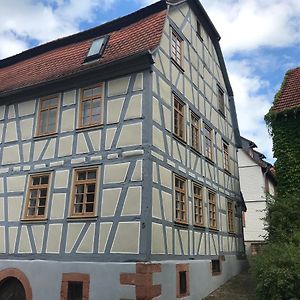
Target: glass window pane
(96, 103)
(80, 189)
(91, 188)
(41, 211)
(90, 197)
(79, 198)
(78, 208)
(90, 207)
(32, 202)
(97, 91)
(91, 175)
(81, 175)
(86, 109)
(49, 103)
(44, 179)
(43, 122)
(43, 193)
(31, 211)
(87, 93)
(52, 120)
(33, 194)
(36, 180)
(86, 121)
(96, 47)
(75, 291)
(95, 119)
(42, 202)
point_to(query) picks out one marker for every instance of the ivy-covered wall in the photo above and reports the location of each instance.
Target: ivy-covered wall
(285, 130)
(277, 268)
(283, 215)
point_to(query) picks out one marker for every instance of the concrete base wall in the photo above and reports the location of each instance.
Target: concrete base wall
(45, 277)
(202, 282)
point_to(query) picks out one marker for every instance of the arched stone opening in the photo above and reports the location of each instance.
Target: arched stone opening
(14, 285)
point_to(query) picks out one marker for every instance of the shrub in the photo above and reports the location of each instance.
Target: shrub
(277, 270)
(282, 217)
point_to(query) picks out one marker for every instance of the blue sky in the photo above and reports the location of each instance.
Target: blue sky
(260, 42)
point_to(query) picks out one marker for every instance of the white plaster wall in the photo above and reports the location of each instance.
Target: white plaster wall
(251, 178)
(254, 223)
(253, 188)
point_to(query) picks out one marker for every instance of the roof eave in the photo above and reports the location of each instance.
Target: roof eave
(121, 67)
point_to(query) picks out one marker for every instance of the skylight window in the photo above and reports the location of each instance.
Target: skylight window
(96, 49)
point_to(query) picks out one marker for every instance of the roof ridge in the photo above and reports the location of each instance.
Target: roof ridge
(100, 30)
(287, 97)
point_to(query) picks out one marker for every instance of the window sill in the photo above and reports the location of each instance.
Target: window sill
(180, 223)
(34, 220)
(45, 136)
(211, 229)
(179, 139)
(87, 128)
(198, 226)
(199, 36)
(216, 273)
(227, 172)
(177, 65)
(222, 114)
(196, 151)
(81, 218)
(209, 160)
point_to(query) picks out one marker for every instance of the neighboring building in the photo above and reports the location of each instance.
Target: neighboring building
(119, 173)
(283, 120)
(257, 184)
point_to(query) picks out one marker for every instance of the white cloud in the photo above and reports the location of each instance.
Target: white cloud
(249, 25)
(252, 29)
(41, 21)
(251, 104)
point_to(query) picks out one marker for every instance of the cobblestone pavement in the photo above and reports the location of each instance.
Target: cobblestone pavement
(240, 287)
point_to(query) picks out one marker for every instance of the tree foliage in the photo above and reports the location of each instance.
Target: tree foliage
(277, 268)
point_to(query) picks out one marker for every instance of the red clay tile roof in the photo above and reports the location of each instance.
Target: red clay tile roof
(290, 93)
(135, 38)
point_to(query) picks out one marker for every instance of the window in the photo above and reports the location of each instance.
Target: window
(182, 281)
(230, 215)
(91, 106)
(256, 248)
(208, 142)
(84, 194)
(47, 120)
(226, 156)
(75, 286)
(216, 267)
(179, 118)
(212, 206)
(198, 205)
(195, 132)
(221, 101)
(96, 49)
(176, 48)
(37, 196)
(199, 30)
(180, 200)
(75, 290)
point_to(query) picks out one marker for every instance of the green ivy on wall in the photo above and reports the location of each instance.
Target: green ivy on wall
(277, 268)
